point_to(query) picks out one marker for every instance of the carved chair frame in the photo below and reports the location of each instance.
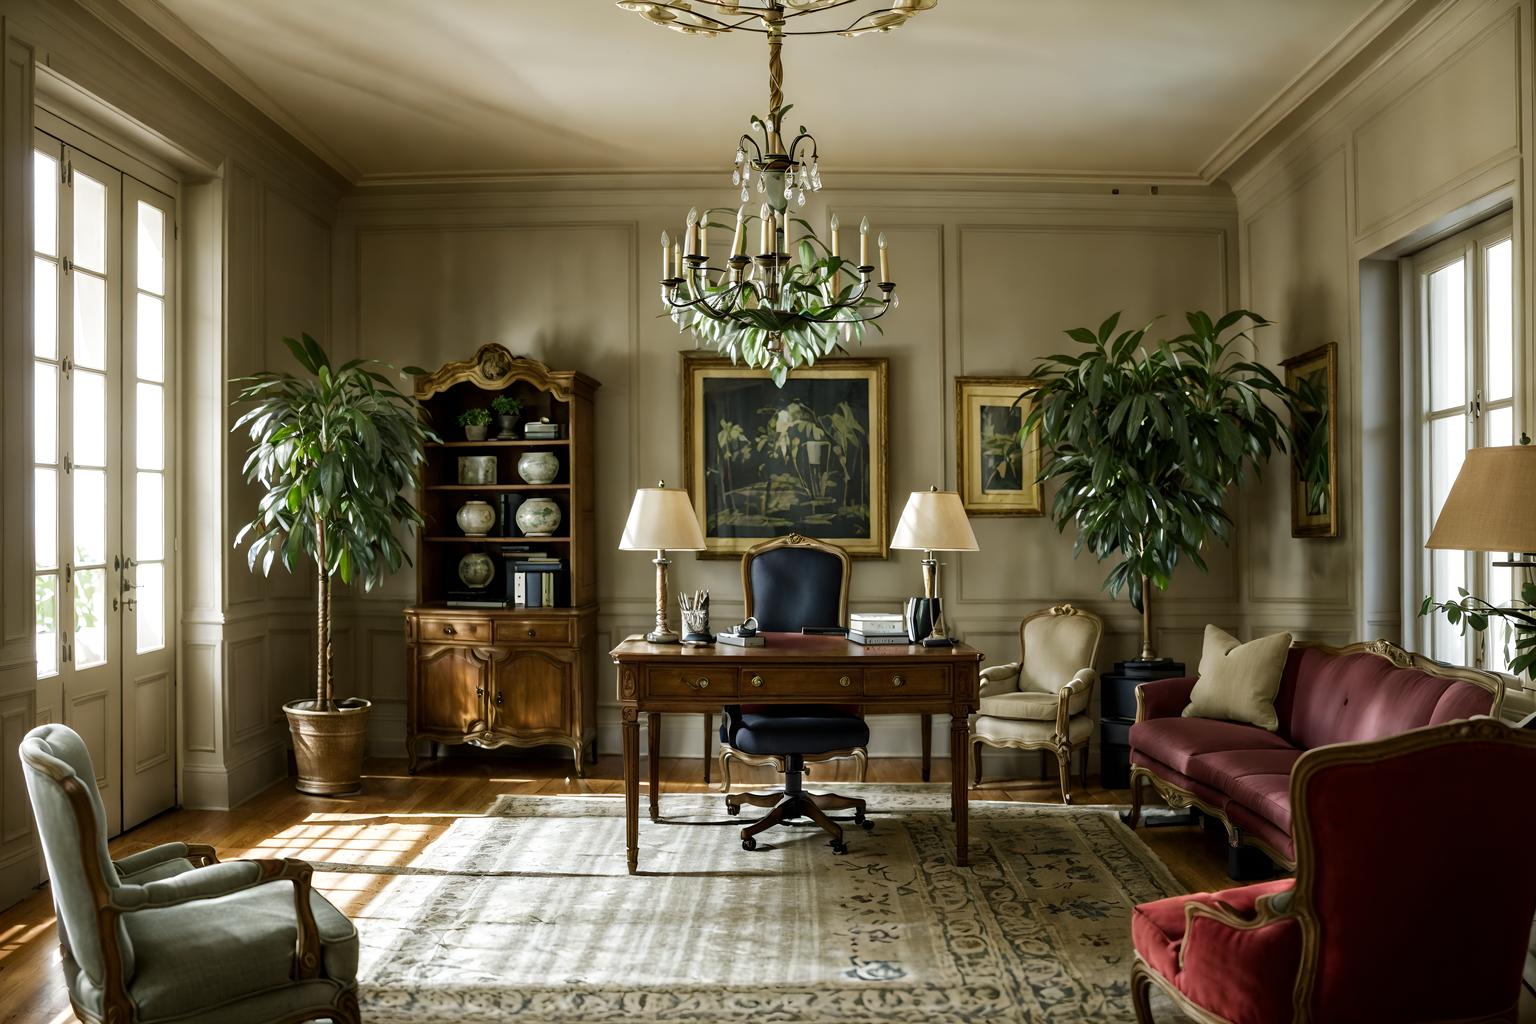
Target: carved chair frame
(1060, 741)
(117, 1005)
(1176, 796)
(1298, 902)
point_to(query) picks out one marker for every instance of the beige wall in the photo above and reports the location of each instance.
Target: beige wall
(1432, 136)
(988, 283)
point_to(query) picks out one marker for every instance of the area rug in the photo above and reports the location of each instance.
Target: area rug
(528, 915)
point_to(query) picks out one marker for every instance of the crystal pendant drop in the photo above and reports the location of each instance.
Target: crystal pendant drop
(741, 156)
(895, 301)
(800, 198)
(736, 177)
(745, 195)
(760, 186)
(770, 126)
(789, 190)
(816, 175)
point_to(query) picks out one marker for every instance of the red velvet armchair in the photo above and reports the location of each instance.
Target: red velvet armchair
(1391, 916)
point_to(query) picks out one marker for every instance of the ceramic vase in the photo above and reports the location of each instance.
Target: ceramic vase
(476, 518)
(477, 469)
(538, 517)
(476, 570)
(476, 433)
(506, 425)
(538, 467)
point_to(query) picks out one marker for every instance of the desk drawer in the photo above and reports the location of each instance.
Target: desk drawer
(691, 682)
(907, 682)
(533, 631)
(801, 682)
(440, 629)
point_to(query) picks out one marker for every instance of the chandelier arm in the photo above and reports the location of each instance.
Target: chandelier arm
(756, 149)
(745, 25)
(712, 312)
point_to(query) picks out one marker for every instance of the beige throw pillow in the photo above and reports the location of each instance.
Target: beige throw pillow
(1238, 681)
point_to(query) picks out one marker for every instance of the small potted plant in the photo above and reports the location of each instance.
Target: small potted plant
(506, 408)
(475, 422)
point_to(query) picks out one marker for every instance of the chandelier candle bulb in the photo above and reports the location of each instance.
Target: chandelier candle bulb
(789, 246)
(885, 263)
(666, 256)
(703, 248)
(864, 242)
(677, 260)
(765, 225)
(832, 230)
(737, 241)
(692, 236)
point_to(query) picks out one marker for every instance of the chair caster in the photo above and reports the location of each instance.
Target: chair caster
(749, 843)
(863, 822)
(732, 808)
(838, 846)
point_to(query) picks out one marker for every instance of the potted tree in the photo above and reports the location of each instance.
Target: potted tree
(332, 451)
(1144, 443)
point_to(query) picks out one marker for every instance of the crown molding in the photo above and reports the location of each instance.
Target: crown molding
(180, 35)
(1366, 30)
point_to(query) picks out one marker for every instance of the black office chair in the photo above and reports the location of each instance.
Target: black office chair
(790, 583)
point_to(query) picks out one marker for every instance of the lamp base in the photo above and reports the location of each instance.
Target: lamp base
(656, 636)
(938, 641)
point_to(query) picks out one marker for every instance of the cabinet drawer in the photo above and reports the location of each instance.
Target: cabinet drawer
(690, 682)
(801, 682)
(912, 682)
(533, 631)
(443, 628)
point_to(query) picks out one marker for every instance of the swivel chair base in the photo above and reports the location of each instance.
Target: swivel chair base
(794, 803)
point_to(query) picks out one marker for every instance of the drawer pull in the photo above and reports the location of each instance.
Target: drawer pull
(700, 683)
(532, 633)
(898, 681)
(479, 691)
(449, 631)
(757, 680)
(498, 698)
(844, 681)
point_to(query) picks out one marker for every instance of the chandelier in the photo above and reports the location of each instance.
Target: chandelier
(799, 298)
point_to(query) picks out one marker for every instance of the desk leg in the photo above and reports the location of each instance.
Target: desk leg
(631, 731)
(927, 747)
(653, 755)
(959, 764)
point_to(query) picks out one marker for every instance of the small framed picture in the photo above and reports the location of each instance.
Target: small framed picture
(996, 470)
(1315, 461)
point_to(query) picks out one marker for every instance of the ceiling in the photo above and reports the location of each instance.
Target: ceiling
(432, 88)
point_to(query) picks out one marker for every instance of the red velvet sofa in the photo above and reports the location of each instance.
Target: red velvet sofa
(1240, 774)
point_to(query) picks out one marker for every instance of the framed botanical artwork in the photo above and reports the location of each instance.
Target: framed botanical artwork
(807, 458)
(1315, 461)
(995, 469)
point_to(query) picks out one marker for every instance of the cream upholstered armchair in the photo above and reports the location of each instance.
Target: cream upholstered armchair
(1044, 700)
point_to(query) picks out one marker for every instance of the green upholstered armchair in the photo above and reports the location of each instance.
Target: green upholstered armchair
(1044, 700)
(170, 934)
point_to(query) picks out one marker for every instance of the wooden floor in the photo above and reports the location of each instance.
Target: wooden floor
(415, 811)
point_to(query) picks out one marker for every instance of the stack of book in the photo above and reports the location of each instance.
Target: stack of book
(874, 629)
(537, 581)
(506, 514)
(543, 430)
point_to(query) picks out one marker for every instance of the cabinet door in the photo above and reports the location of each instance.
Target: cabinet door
(532, 691)
(451, 689)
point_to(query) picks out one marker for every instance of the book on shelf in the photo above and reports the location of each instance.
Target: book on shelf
(539, 585)
(877, 639)
(459, 597)
(732, 640)
(506, 514)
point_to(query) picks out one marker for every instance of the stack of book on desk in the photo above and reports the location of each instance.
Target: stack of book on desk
(874, 629)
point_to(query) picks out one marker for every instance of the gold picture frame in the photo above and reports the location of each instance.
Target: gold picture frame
(811, 458)
(996, 478)
(1315, 459)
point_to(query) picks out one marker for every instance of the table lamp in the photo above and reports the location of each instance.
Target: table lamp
(1492, 505)
(934, 520)
(661, 520)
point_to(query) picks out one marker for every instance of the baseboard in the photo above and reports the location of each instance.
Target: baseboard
(225, 787)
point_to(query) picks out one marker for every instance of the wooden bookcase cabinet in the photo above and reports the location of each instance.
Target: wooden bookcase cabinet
(497, 677)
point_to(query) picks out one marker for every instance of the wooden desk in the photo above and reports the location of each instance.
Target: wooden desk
(794, 669)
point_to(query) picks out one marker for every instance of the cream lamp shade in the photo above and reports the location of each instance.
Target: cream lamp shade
(934, 520)
(662, 519)
(1492, 504)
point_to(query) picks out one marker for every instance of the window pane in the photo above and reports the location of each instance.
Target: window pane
(90, 321)
(90, 617)
(45, 204)
(90, 223)
(45, 518)
(45, 308)
(150, 610)
(1448, 571)
(151, 249)
(1498, 261)
(150, 338)
(45, 597)
(1447, 449)
(45, 413)
(1501, 427)
(1498, 637)
(90, 515)
(90, 400)
(149, 544)
(150, 439)
(1448, 336)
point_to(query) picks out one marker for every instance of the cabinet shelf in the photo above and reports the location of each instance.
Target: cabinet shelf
(497, 540)
(495, 443)
(498, 487)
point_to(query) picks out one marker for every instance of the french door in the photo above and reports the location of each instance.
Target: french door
(102, 273)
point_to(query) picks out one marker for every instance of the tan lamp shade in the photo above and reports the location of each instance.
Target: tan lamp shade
(934, 520)
(1492, 504)
(662, 519)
